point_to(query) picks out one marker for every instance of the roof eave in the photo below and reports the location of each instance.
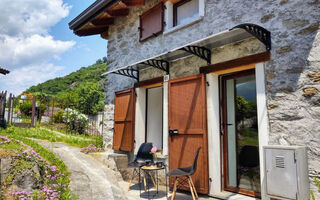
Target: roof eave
(93, 10)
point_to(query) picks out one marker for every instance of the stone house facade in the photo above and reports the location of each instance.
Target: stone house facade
(285, 73)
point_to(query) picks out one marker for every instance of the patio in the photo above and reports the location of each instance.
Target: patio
(134, 193)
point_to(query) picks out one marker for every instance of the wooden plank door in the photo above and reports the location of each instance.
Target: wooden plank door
(187, 114)
(123, 136)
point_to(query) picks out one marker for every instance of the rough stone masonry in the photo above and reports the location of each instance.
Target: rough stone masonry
(292, 75)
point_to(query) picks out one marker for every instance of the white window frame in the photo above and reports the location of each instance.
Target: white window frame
(168, 17)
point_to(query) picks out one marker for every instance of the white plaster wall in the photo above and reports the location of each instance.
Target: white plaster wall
(165, 117)
(214, 146)
(263, 122)
(140, 115)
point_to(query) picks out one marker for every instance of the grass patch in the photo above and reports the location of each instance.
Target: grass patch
(72, 133)
(42, 134)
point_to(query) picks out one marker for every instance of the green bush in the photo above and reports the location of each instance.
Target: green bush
(58, 116)
(26, 108)
(75, 121)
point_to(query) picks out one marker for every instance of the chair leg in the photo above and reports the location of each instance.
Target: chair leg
(194, 188)
(154, 183)
(191, 189)
(132, 176)
(174, 189)
(144, 181)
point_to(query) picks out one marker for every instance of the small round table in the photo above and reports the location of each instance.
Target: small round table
(149, 169)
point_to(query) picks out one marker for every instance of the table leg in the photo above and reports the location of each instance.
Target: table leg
(157, 182)
(152, 179)
(144, 181)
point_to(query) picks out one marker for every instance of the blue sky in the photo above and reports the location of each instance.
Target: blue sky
(36, 43)
(87, 50)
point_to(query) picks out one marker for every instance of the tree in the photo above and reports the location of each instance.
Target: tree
(104, 59)
(67, 99)
(90, 98)
(245, 109)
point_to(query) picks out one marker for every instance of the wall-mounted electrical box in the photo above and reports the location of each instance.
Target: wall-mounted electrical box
(286, 172)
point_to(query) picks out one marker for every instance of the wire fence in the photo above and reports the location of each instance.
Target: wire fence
(49, 112)
(64, 117)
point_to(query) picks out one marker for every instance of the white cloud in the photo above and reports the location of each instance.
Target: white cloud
(30, 75)
(27, 17)
(17, 51)
(26, 47)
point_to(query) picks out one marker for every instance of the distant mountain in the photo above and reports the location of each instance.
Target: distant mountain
(69, 82)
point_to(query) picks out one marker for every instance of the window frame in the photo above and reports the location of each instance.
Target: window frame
(169, 16)
(175, 10)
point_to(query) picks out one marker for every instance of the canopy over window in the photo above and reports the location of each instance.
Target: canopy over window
(201, 48)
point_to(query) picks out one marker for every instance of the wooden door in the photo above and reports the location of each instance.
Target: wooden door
(123, 137)
(187, 114)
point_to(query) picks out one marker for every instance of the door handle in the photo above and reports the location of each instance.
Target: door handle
(226, 124)
(173, 132)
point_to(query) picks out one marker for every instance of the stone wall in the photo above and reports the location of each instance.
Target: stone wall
(292, 75)
(108, 125)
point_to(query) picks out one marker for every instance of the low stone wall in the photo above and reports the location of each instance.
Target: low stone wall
(108, 125)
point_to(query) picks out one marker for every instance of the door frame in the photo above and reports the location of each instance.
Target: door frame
(214, 129)
(223, 118)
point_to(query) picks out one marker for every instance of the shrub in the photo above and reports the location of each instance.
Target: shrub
(75, 121)
(26, 108)
(58, 116)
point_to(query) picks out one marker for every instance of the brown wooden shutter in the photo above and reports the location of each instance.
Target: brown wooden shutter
(123, 137)
(151, 22)
(187, 114)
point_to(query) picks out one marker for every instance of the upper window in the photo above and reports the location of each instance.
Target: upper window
(181, 13)
(185, 11)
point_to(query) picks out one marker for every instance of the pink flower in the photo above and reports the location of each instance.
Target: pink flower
(53, 168)
(154, 149)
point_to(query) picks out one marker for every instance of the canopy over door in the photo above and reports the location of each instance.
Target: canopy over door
(123, 137)
(187, 115)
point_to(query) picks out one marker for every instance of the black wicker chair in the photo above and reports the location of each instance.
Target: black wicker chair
(183, 175)
(142, 158)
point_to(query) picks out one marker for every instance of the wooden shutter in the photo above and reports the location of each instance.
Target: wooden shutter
(123, 136)
(151, 22)
(187, 114)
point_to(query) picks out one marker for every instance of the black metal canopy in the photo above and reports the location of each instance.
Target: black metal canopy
(201, 48)
(258, 32)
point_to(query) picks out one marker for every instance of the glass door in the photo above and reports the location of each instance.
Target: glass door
(240, 133)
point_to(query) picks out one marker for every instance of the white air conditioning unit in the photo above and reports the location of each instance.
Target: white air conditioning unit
(286, 172)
